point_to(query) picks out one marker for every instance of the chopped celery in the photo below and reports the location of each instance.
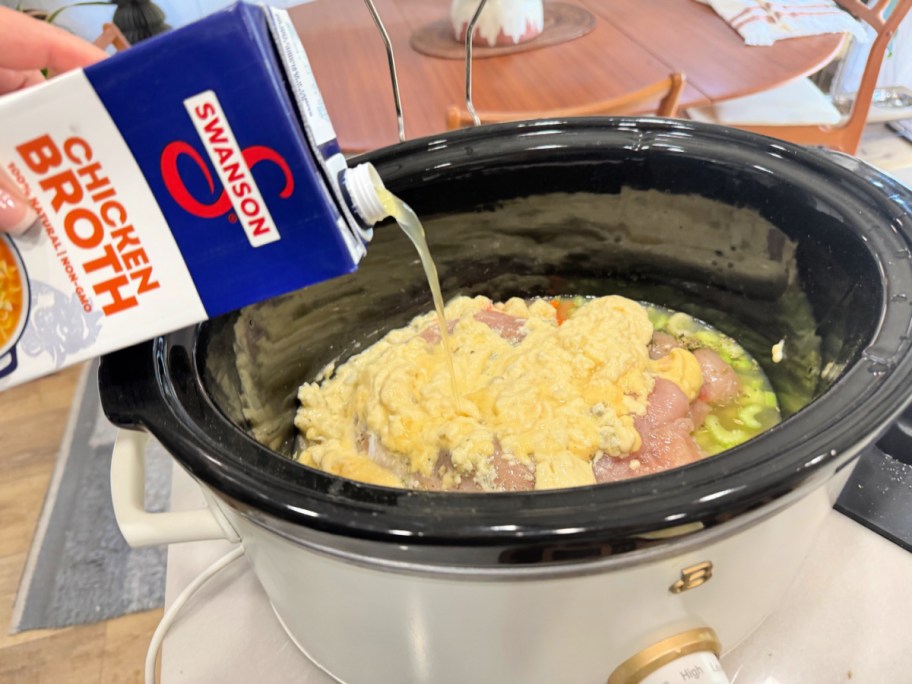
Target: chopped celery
(748, 416)
(680, 324)
(726, 438)
(741, 364)
(659, 321)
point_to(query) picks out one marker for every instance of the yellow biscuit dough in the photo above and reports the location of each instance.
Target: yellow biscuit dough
(552, 401)
(682, 368)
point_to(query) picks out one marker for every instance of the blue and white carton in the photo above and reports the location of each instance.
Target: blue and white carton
(188, 176)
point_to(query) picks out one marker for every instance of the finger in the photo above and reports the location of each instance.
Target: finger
(16, 215)
(29, 43)
(16, 80)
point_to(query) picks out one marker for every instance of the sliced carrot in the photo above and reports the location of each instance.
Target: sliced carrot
(565, 308)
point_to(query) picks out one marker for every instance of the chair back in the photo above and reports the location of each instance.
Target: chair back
(885, 25)
(846, 136)
(111, 35)
(668, 90)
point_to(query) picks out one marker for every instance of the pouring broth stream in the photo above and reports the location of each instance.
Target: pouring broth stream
(411, 225)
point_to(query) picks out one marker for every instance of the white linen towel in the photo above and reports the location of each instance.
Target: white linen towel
(763, 22)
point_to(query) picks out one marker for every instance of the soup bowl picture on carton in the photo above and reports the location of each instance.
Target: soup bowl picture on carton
(14, 304)
(800, 256)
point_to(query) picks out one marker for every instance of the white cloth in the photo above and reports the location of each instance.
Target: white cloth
(799, 103)
(763, 22)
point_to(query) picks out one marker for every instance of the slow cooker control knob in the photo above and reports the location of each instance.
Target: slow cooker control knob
(685, 658)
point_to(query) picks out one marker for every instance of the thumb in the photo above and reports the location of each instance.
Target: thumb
(16, 216)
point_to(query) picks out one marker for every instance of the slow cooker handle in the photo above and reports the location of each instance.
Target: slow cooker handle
(138, 526)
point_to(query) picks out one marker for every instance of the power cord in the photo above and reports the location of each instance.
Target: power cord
(171, 614)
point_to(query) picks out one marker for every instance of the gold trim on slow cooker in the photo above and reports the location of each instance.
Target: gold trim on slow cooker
(639, 666)
(693, 577)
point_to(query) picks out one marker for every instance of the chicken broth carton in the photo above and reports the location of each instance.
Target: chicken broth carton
(180, 179)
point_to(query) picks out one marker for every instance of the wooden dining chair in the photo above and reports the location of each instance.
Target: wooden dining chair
(668, 89)
(799, 112)
(111, 35)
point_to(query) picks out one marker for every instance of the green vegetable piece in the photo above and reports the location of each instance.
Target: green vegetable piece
(680, 324)
(726, 438)
(748, 416)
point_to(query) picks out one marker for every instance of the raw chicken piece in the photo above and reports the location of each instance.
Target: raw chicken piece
(665, 430)
(434, 482)
(432, 332)
(720, 383)
(511, 328)
(699, 409)
(510, 475)
(662, 343)
(666, 403)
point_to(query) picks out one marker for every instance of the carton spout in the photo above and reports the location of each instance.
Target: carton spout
(365, 190)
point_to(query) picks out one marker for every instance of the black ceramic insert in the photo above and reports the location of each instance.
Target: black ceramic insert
(879, 493)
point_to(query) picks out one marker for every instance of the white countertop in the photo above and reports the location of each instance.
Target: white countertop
(847, 617)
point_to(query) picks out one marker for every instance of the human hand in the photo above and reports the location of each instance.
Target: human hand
(28, 45)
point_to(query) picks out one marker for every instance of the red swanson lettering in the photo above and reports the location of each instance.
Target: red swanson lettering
(94, 221)
(240, 191)
(235, 173)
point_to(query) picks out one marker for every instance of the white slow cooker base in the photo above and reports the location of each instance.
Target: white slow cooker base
(291, 637)
(843, 614)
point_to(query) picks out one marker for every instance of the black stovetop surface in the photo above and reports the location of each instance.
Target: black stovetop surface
(879, 493)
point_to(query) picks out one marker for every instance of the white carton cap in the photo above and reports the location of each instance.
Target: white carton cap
(362, 183)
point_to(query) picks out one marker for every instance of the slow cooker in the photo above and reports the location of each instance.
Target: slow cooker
(768, 242)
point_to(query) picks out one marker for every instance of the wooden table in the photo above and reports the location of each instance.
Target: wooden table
(33, 419)
(634, 43)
